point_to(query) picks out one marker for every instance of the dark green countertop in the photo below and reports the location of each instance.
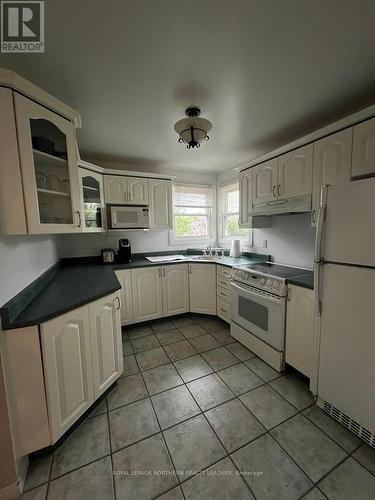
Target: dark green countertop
(305, 280)
(72, 283)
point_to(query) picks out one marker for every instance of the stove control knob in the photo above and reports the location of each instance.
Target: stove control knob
(276, 284)
(269, 283)
(262, 281)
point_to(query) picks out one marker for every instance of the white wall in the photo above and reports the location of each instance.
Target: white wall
(22, 260)
(290, 240)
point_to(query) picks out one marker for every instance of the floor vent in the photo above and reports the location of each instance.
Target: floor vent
(351, 424)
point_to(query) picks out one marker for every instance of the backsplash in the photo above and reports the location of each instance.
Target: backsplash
(290, 240)
(23, 259)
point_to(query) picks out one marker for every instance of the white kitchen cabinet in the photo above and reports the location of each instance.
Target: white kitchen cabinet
(202, 279)
(300, 329)
(246, 197)
(92, 201)
(106, 342)
(265, 179)
(363, 160)
(332, 164)
(147, 293)
(295, 173)
(115, 190)
(137, 189)
(82, 357)
(66, 347)
(124, 277)
(175, 285)
(48, 159)
(160, 204)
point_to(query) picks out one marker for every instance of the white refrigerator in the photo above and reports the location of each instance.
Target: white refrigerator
(344, 352)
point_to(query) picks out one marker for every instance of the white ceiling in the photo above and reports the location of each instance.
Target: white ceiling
(263, 71)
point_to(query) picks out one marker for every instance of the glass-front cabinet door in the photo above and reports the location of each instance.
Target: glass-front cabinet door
(48, 158)
(92, 200)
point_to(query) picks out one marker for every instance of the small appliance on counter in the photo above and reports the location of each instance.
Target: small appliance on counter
(124, 251)
(108, 255)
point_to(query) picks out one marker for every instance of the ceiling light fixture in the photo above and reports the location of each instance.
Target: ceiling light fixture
(193, 130)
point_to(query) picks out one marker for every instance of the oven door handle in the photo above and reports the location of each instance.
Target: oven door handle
(255, 295)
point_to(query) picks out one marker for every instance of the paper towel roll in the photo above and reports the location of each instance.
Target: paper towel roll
(235, 250)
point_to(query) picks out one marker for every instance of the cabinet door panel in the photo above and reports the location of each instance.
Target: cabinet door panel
(202, 288)
(364, 149)
(66, 345)
(175, 289)
(127, 316)
(137, 191)
(265, 181)
(300, 329)
(115, 189)
(332, 163)
(106, 342)
(246, 198)
(92, 201)
(47, 149)
(147, 293)
(160, 204)
(295, 173)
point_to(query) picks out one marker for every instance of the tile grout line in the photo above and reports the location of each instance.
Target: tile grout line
(161, 432)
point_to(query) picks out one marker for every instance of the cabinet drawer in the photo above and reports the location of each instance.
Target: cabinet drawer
(223, 282)
(223, 293)
(223, 271)
(223, 309)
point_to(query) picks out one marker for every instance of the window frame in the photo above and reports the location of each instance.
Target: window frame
(223, 239)
(196, 240)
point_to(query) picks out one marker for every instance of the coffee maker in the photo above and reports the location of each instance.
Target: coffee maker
(124, 251)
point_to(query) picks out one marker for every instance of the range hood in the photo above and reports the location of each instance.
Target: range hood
(290, 205)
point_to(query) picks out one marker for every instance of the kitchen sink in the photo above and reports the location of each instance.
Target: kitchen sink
(208, 258)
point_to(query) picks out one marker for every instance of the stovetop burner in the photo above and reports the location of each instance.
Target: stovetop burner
(278, 270)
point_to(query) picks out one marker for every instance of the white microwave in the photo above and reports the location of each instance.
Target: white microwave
(128, 217)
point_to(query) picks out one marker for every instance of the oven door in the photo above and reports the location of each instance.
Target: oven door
(260, 313)
(129, 217)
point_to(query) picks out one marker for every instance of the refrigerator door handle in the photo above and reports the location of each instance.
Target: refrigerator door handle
(320, 224)
(317, 299)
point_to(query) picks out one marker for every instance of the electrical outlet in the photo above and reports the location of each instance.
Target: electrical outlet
(264, 243)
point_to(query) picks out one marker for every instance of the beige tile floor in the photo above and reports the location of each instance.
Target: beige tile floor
(198, 416)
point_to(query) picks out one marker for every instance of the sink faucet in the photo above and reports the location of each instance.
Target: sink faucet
(209, 249)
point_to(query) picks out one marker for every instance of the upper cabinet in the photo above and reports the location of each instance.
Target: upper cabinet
(363, 162)
(48, 159)
(115, 189)
(295, 173)
(92, 201)
(137, 191)
(246, 219)
(332, 164)
(160, 204)
(125, 190)
(265, 182)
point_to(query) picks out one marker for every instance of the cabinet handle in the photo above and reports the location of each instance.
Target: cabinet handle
(118, 304)
(223, 310)
(274, 191)
(164, 272)
(129, 196)
(313, 216)
(159, 272)
(279, 190)
(79, 218)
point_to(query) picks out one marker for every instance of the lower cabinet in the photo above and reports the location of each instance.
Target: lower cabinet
(106, 342)
(147, 293)
(202, 288)
(125, 279)
(175, 285)
(160, 291)
(299, 328)
(82, 356)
